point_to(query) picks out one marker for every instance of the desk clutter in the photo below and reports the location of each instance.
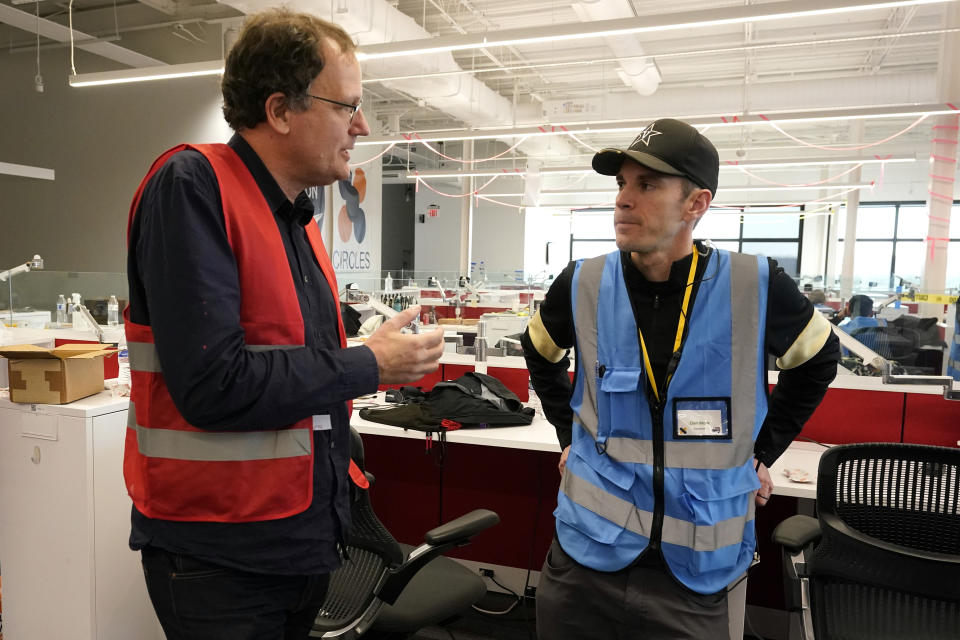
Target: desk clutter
(474, 400)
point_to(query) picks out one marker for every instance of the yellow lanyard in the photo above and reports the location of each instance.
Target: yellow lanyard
(680, 325)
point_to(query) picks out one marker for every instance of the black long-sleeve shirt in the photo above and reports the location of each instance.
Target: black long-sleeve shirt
(184, 284)
(656, 308)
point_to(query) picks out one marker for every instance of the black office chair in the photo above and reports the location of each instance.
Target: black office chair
(900, 344)
(388, 590)
(883, 559)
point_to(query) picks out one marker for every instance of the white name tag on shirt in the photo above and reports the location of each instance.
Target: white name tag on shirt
(322, 423)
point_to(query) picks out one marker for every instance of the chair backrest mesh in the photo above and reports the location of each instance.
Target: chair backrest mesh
(910, 502)
(351, 589)
(370, 552)
(888, 563)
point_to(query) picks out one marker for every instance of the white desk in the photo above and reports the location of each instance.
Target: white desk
(541, 436)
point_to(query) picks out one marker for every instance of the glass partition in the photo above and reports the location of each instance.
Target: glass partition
(35, 293)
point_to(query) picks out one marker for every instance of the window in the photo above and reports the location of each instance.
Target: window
(891, 244)
(876, 222)
(718, 226)
(767, 225)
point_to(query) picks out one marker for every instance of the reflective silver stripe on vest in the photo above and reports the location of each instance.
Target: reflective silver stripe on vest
(217, 446)
(693, 455)
(675, 531)
(707, 538)
(605, 505)
(591, 273)
(143, 357)
(745, 332)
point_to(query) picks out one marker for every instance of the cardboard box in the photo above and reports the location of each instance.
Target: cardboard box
(55, 376)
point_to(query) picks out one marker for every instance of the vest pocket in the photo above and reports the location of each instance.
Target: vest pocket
(621, 474)
(618, 401)
(718, 505)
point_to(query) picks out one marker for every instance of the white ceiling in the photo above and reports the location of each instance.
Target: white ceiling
(889, 60)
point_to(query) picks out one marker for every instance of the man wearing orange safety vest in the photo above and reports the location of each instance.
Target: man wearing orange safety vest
(237, 449)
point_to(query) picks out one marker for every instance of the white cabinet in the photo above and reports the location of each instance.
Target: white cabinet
(64, 523)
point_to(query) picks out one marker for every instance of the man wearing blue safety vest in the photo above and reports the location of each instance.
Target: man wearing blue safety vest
(668, 431)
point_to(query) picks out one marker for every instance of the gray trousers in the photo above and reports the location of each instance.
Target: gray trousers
(639, 602)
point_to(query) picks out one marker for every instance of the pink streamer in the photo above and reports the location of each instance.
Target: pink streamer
(825, 148)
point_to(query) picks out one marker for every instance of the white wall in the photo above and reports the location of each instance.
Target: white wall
(498, 235)
(100, 141)
(437, 240)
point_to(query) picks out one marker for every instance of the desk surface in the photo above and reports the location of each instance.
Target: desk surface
(541, 436)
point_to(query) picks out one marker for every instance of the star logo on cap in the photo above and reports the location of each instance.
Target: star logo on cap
(645, 135)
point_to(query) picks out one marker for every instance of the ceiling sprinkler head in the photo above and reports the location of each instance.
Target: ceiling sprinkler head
(38, 83)
(741, 152)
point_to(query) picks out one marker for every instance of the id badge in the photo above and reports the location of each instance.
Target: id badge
(698, 418)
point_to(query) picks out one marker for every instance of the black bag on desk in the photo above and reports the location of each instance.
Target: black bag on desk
(472, 400)
(476, 399)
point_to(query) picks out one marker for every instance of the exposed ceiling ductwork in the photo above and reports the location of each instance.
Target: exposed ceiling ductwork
(640, 73)
(462, 96)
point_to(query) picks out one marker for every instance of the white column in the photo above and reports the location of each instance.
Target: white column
(943, 168)
(466, 214)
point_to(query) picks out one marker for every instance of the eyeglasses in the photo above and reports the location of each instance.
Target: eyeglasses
(353, 107)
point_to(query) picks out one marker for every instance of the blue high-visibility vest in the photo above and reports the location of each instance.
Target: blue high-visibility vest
(715, 404)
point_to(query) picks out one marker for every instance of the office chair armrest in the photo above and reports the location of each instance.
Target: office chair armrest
(454, 533)
(796, 532)
(463, 528)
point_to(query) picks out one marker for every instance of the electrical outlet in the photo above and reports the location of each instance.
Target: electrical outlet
(486, 573)
(531, 592)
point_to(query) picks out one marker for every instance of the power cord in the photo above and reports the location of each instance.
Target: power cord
(513, 605)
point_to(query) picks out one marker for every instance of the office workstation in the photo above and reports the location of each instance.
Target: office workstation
(468, 182)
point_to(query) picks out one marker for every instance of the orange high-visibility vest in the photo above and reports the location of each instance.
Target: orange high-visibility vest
(175, 471)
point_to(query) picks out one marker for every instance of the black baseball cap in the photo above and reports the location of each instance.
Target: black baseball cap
(668, 146)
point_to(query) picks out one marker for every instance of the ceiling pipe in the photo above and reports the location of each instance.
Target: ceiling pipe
(464, 97)
(641, 74)
(52, 30)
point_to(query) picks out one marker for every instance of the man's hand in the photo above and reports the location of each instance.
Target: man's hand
(563, 459)
(766, 484)
(403, 357)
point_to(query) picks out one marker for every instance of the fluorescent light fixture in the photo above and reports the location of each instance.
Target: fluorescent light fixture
(650, 56)
(25, 171)
(620, 26)
(722, 189)
(506, 173)
(143, 74)
(703, 122)
(775, 164)
(803, 188)
(758, 164)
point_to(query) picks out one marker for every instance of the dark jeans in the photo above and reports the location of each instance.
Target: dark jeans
(196, 600)
(578, 603)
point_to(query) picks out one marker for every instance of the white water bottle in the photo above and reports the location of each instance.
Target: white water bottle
(113, 312)
(388, 282)
(61, 311)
